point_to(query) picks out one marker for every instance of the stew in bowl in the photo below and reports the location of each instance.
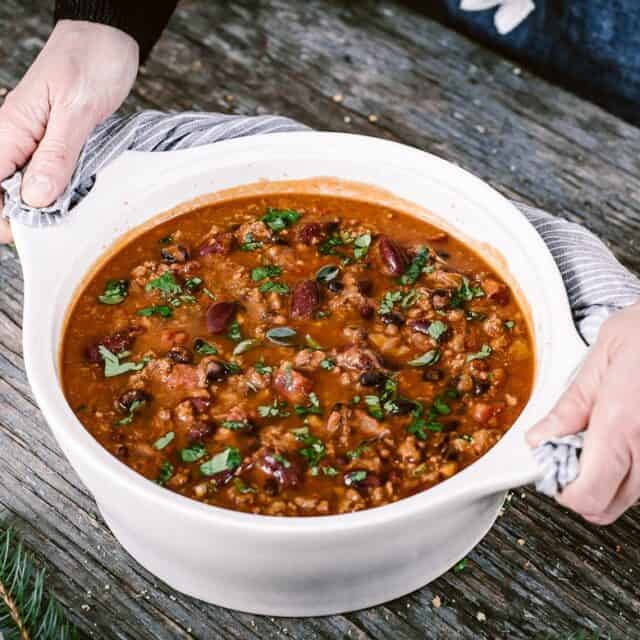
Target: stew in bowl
(297, 355)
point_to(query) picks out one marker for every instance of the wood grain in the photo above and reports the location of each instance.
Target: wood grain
(541, 572)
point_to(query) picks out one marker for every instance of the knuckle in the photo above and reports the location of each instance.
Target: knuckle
(53, 151)
(600, 519)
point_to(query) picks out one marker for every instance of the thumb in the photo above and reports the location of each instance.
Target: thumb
(53, 162)
(571, 413)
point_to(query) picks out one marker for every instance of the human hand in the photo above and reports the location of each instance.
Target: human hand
(603, 399)
(81, 76)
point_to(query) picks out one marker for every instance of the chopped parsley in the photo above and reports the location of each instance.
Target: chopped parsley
(163, 310)
(415, 269)
(374, 406)
(166, 473)
(136, 405)
(385, 403)
(359, 450)
(164, 440)
(115, 291)
(265, 271)
(312, 408)
(113, 366)
(420, 424)
(193, 453)
(282, 460)
(166, 284)
(426, 359)
(485, 352)
(279, 219)
(509, 324)
(279, 409)
(330, 472)
(389, 300)
(226, 460)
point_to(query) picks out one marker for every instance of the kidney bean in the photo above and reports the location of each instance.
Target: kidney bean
(200, 431)
(405, 407)
(365, 287)
(116, 343)
(311, 233)
(367, 311)
(305, 299)
(393, 258)
(200, 404)
(126, 400)
(219, 315)
(420, 326)
(222, 478)
(288, 474)
(220, 243)
(181, 355)
(176, 253)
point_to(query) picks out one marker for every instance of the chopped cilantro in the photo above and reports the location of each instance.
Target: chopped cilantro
(355, 477)
(136, 405)
(113, 366)
(265, 271)
(204, 348)
(329, 471)
(193, 453)
(437, 329)
(226, 460)
(245, 345)
(313, 450)
(164, 440)
(281, 335)
(509, 324)
(312, 407)
(282, 460)
(241, 487)
(485, 352)
(115, 291)
(465, 293)
(327, 364)
(208, 293)
(279, 219)
(426, 359)
(276, 410)
(262, 368)
(312, 343)
(361, 246)
(389, 299)
(162, 310)
(193, 284)
(234, 333)
(236, 425)
(274, 287)
(374, 407)
(358, 451)
(414, 270)
(166, 284)
(250, 244)
(166, 473)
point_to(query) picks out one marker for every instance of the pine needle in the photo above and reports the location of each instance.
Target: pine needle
(26, 612)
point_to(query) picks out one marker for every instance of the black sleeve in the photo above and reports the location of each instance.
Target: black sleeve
(144, 20)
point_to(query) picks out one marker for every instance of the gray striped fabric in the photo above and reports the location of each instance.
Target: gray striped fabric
(596, 282)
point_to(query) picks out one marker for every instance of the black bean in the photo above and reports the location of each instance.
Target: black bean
(432, 375)
(126, 400)
(367, 311)
(481, 387)
(393, 317)
(175, 254)
(180, 355)
(365, 287)
(335, 286)
(372, 379)
(215, 371)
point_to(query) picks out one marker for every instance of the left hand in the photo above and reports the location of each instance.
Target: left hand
(603, 399)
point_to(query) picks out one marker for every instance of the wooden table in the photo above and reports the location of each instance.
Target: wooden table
(376, 68)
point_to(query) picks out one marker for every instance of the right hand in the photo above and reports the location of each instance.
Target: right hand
(82, 75)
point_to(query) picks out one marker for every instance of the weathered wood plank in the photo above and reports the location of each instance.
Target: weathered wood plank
(436, 90)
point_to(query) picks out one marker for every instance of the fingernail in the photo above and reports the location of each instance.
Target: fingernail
(38, 190)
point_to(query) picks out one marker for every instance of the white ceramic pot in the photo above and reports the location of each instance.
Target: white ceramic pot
(293, 566)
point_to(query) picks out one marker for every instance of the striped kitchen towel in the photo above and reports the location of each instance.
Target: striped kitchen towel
(596, 282)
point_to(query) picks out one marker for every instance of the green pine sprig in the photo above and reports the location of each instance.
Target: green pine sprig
(26, 611)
